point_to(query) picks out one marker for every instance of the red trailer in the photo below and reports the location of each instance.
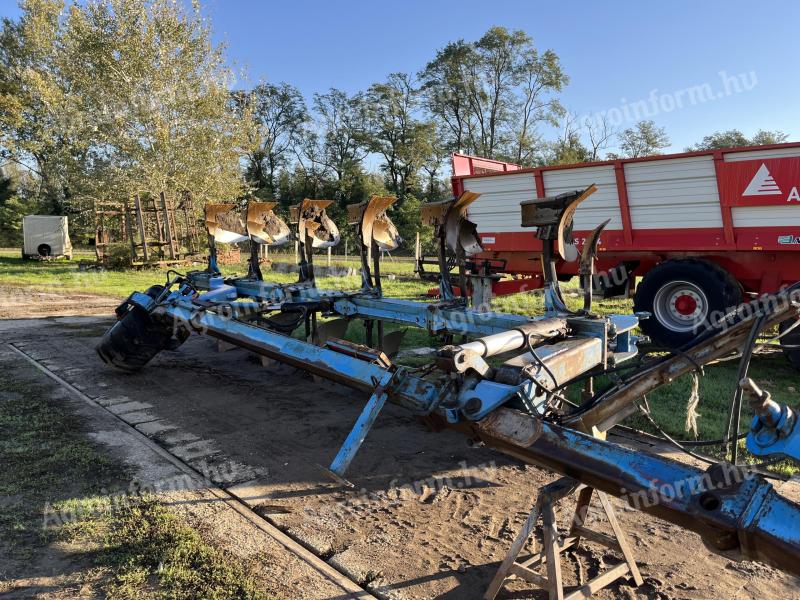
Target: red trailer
(703, 229)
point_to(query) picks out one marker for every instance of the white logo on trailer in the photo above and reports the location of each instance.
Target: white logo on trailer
(763, 184)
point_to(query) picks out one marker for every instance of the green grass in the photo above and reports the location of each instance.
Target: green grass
(53, 488)
(145, 541)
(64, 276)
(46, 458)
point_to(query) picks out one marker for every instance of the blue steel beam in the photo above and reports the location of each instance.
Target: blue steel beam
(731, 508)
(415, 393)
(434, 318)
(360, 430)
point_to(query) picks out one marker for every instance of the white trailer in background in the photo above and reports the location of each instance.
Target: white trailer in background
(45, 236)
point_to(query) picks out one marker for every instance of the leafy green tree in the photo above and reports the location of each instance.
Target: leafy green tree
(111, 97)
(342, 125)
(6, 188)
(16, 201)
(436, 152)
(396, 131)
(444, 85)
(278, 112)
(158, 94)
(493, 94)
(568, 148)
(34, 106)
(643, 139)
(541, 77)
(765, 138)
(733, 138)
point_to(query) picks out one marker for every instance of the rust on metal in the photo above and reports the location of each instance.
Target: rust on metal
(225, 224)
(264, 226)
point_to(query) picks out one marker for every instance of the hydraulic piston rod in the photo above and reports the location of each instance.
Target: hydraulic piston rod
(532, 333)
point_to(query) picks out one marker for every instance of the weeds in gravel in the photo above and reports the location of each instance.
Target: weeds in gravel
(146, 543)
(53, 500)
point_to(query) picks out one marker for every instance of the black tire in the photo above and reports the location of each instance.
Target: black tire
(135, 339)
(154, 291)
(791, 342)
(681, 296)
(44, 250)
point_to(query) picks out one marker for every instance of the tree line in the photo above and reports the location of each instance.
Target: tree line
(107, 98)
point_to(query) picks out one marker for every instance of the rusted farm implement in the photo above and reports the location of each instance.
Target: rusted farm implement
(500, 379)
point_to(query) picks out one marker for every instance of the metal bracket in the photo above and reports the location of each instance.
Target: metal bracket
(774, 430)
(377, 234)
(552, 217)
(139, 299)
(366, 419)
(588, 255)
(454, 231)
(314, 230)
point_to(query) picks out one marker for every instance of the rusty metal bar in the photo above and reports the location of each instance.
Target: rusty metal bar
(731, 509)
(617, 404)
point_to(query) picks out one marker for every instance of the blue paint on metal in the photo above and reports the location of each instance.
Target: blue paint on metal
(362, 426)
(434, 318)
(781, 439)
(415, 393)
(141, 300)
(219, 292)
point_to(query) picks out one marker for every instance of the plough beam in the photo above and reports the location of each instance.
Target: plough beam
(504, 386)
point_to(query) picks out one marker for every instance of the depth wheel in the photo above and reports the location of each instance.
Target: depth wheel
(135, 339)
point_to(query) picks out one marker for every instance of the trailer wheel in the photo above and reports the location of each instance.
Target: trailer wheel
(44, 250)
(681, 295)
(791, 342)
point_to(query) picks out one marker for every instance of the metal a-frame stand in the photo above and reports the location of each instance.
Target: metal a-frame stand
(554, 545)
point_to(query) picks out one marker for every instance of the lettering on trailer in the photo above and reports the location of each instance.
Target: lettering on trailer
(764, 182)
(580, 240)
(789, 240)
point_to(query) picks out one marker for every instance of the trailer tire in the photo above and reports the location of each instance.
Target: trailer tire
(682, 296)
(135, 339)
(791, 343)
(44, 250)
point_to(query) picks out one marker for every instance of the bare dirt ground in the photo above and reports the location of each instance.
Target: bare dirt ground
(429, 516)
(16, 302)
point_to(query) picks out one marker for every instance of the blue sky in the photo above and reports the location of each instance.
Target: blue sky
(616, 54)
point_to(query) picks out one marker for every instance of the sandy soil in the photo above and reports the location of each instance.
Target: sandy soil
(65, 570)
(429, 516)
